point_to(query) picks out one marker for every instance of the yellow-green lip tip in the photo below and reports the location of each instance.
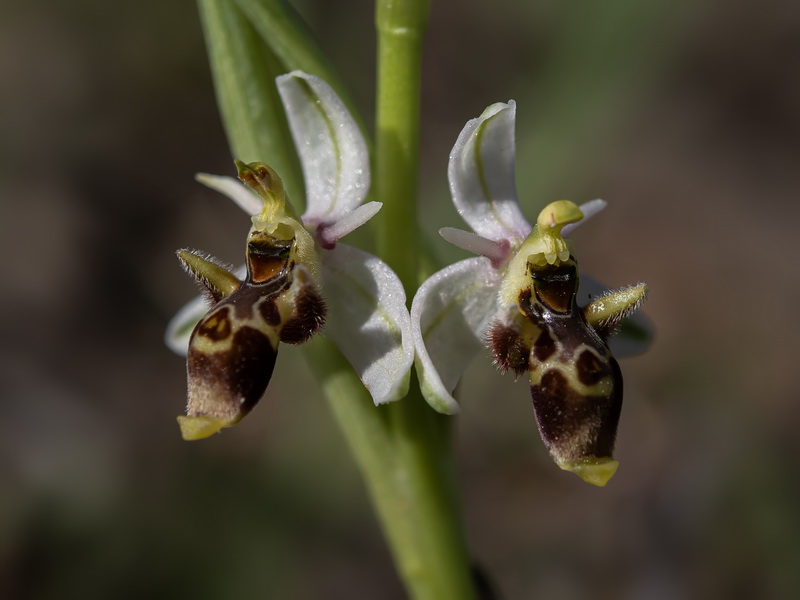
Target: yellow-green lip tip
(597, 471)
(197, 428)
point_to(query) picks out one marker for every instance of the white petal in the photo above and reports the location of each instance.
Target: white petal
(332, 150)
(589, 209)
(368, 320)
(355, 219)
(180, 327)
(497, 252)
(449, 315)
(636, 332)
(234, 189)
(481, 174)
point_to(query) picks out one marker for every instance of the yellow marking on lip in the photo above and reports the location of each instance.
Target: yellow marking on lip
(217, 324)
(569, 370)
(206, 345)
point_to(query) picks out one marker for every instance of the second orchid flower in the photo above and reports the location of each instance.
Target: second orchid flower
(519, 298)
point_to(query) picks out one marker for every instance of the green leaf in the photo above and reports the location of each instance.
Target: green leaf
(293, 43)
(244, 71)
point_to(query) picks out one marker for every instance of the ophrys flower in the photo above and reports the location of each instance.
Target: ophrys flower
(519, 297)
(297, 274)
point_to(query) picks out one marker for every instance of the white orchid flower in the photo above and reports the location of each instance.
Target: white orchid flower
(518, 297)
(303, 274)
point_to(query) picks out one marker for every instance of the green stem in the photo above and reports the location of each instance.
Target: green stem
(431, 553)
(436, 564)
(404, 462)
(401, 25)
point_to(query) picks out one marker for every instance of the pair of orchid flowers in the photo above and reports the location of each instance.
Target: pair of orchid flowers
(518, 296)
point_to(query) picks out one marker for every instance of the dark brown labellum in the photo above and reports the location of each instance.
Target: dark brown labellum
(576, 384)
(232, 350)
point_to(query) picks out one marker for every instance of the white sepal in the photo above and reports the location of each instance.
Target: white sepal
(248, 201)
(449, 315)
(182, 324)
(368, 320)
(589, 209)
(481, 175)
(332, 149)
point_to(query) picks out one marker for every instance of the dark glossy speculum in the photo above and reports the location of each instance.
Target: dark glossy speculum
(268, 258)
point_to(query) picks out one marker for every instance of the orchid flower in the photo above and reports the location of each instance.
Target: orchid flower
(297, 277)
(518, 297)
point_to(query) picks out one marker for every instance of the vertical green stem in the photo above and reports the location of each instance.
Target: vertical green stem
(402, 452)
(436, 564)
(431, 554)
(406, 492)
(401, 25)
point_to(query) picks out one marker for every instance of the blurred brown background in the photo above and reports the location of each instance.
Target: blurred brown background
(683, 115)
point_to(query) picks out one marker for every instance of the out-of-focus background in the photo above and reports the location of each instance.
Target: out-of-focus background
(684, 115)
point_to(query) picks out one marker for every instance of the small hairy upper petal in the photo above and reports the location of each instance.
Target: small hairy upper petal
(634, 334)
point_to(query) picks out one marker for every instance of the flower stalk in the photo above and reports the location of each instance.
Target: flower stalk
(401, 26)
(403, 449)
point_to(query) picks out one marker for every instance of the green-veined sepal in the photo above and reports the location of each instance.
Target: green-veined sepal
(368, 320)
(332, 150)
(481, 175)
(449, 314)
